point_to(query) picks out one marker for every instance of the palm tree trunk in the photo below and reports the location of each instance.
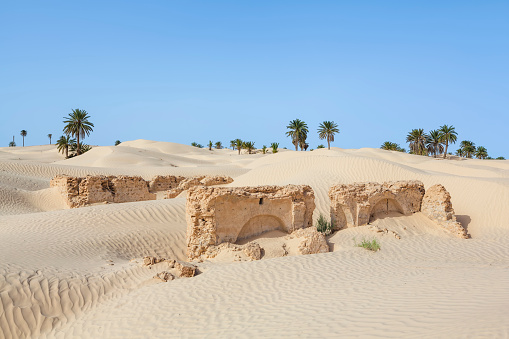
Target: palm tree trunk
(328, 142)
(23, 141)
(78, 144)
(66, 152)
(446, 146)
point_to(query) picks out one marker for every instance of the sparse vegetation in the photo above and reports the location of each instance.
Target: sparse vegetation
(249, 146)
(323, 226)
(264, 149)
(210, 145)
(118, 142)
(320, 146)
(372, 245)
(218, 145)
(274, 147)
(12, 144)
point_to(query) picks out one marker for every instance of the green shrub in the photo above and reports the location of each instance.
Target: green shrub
(372, 245)
(323, 226)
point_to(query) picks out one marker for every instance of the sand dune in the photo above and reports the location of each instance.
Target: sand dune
(69, 272)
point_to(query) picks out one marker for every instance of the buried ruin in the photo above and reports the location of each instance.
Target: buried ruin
(93, 189)
(218, 215)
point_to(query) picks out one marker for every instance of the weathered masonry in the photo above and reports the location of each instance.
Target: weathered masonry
(226, 214)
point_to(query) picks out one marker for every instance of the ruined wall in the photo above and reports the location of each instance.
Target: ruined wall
(68, 187)
(225, 214)
(437, 206)
(81, 191)
(203, 180)
(164, 182)
(359, 203)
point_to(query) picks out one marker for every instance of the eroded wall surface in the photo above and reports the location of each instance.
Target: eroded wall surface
(82, 191)
(203, 180)
(226, 214)
(436, 205)
(359, 203)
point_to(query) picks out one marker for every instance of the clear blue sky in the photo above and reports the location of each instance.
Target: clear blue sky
(186, 71)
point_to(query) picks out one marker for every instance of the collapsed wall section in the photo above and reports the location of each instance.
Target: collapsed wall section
(437, 206)
(226, 214)
(203, 180)
(359, 203)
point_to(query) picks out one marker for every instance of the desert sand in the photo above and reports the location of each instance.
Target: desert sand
(67, 273)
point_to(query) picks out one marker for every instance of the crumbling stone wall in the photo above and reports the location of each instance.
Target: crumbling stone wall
(164, 182)
(81, 191)
(225, 214)
(203, 180)
(359, 203)
(437, 206)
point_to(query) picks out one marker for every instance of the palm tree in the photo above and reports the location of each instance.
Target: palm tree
(23, 133)
(49, 136)
(219, 145)
(232, 144)
(417, 139)
(12, 144)
(194, 144)
(500, 158)
(460, 152)
(64, 143)
(434, 142)
(264, 149)
(326, 130)
(83, 148)
(298, 131)
(274, 147)
(239, 144)
(468, 148)
(449, 136)
(481, 152)
(249, 145)
(388, 146)
(77, 125)
(117, 142)
(210, 145)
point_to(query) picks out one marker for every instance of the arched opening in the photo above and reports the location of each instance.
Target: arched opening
(384, 208)
(260, 224)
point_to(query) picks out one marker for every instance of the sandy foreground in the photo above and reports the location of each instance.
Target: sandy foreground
(69, 272)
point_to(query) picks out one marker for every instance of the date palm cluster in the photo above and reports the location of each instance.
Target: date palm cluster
(77, 126)
(437, 142)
